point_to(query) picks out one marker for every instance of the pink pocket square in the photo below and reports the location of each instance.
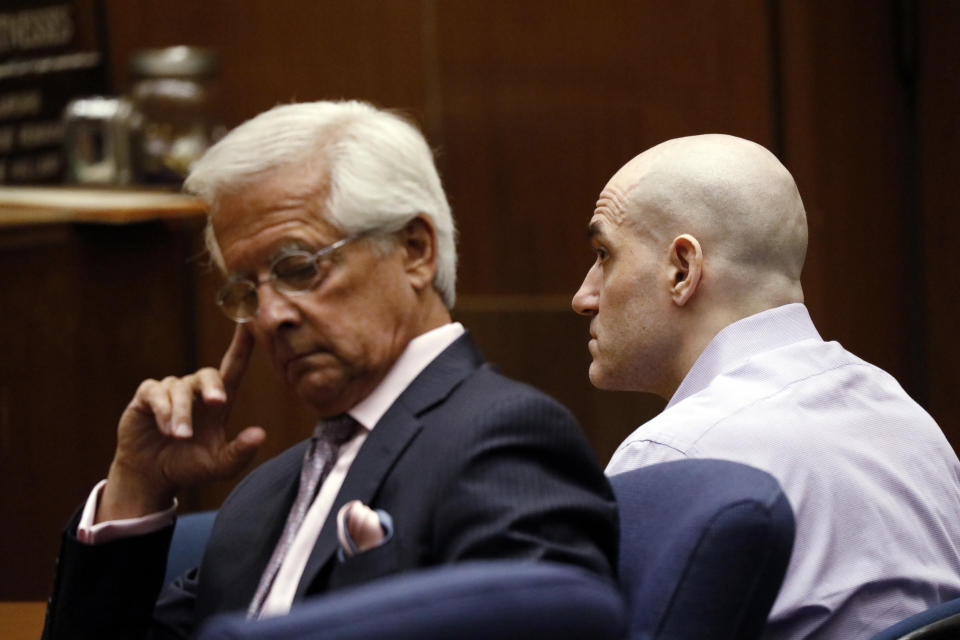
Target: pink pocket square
(360, 528)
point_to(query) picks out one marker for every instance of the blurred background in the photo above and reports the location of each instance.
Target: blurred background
(531, 105)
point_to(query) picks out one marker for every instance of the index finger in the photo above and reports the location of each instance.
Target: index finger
(235, 359)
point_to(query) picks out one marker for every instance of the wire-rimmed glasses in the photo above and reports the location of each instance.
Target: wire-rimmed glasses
(291, 273)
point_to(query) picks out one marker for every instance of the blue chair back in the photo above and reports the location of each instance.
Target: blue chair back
(190, 536)
(500, 599)
(941, 622)
(704, 547)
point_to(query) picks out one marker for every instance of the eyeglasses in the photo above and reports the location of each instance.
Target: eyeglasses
(292, 273)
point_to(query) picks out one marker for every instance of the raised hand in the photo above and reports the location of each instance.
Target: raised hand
(172, 436)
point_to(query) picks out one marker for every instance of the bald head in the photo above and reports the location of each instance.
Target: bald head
(733, 196)
(690, 236)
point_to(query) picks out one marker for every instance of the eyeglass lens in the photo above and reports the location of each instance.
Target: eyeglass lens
(293, 273)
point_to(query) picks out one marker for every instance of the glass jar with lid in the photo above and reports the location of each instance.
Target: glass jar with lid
(174, 94)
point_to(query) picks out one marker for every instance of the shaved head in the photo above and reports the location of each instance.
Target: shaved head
(731, 194)
(690, 236)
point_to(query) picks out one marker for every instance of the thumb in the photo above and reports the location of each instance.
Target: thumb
(239, 451)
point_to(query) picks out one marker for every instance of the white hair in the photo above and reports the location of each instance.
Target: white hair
(382, 172)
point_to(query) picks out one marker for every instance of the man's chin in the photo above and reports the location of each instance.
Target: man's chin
(324, 403)
(330, 393)
(596, 376)
(318, 390)
(607, 380)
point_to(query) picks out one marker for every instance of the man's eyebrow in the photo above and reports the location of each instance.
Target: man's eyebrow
(290, 246)
(286, 247)
(594, 229)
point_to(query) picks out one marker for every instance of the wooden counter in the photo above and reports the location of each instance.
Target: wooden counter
(22, 620)
(21, 206)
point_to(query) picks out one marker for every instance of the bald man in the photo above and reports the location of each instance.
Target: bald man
(695, 296)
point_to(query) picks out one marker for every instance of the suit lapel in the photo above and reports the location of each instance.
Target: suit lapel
(393, 433)
(441, 376)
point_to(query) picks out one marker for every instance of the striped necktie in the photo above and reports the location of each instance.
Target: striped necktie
(319, 458)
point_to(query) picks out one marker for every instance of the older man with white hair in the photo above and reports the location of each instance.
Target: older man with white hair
(695, 296)
(336, 241)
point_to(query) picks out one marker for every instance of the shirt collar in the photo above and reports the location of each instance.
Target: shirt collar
(743, 339)
(419, 353)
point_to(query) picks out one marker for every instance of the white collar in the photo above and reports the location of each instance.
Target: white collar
(744, 338)
(419, 353)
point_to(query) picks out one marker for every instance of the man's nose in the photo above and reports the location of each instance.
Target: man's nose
(274, 309)
(585, 299)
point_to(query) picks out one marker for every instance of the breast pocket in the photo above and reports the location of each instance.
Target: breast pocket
(378, 562)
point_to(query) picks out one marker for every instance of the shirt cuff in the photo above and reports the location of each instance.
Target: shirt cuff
(90, 533)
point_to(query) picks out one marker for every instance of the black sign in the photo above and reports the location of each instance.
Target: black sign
(50, 52)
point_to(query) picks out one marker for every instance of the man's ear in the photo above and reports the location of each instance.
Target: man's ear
(686, 261)
(418, 239)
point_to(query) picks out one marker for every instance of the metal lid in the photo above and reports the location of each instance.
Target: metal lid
(179, 61)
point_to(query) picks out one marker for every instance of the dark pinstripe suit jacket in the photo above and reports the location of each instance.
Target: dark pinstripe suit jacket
(470, 465)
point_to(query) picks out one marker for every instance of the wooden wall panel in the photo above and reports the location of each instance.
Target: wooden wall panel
(844, 131)
(89, 311)
(532, 105)
(938, 96)
(273, 52)
(543, 101)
